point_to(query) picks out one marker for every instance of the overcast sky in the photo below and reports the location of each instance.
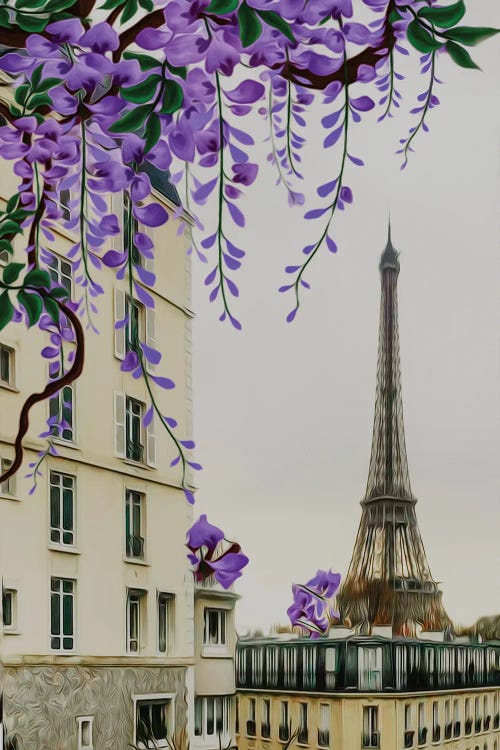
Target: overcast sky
(283, 413)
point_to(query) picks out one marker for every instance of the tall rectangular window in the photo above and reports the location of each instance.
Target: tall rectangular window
(85, 726)
(290, 666)
(165, 606)
(271, 666)
(135, 608)
(6, 365)
(134, 329)
(309, 667)
(303, 735)
(130, 227)
(369, 668)
(65, 197)
(251, 726)
(324, 725)
(62, 509)
(330, 667)
(284, 725)
(62, 614)
(265, 728)
(211, 717)
(134, 524)
(370, 737)
(9, 609)
(134, 411)
(61, 413)
(214, 632)
(9, 486)
(436, 729)
(152, 723)
(61, 273)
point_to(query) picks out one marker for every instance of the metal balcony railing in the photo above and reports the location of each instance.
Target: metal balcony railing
(370, 739)
(135, 546)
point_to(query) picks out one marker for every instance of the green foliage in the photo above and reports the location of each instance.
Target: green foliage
(6, 309)
(145, 61)
(444, 17)
(471, 35)
(52, 309)
(153, 132)
(144, 91)
(460, 55)
(173, 96)
(274, 20)
(221, 7)
(132, 120)
(250, 25)
(129, 7)
(420, 38)
(37, 278)
(32, 303)
(11, 272)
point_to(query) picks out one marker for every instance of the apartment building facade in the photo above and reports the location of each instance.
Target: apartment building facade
(357, 693)
(97, 642)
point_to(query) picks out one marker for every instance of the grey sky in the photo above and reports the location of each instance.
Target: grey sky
(283, 413)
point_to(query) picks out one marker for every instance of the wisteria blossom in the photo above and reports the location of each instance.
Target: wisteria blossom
(212, 555)
(98, 99)
(312, 608)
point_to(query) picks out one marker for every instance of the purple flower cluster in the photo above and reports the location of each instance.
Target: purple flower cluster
(212, 555)
(312, 607)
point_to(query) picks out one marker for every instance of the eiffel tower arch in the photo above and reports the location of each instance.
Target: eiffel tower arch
(389, 581)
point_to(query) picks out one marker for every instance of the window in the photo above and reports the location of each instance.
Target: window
(237, 715)
(409, 732)
(9, 486)
(135, 599)
(324, 725)
(284, 727)
(132, 441)
(330, 667)
(371, 737)
(165, 605)
(456, 718)
(271, 666)
(256, 664)
(4, 256)
(265, 728)
(290, 666)
(309, 667)
(9, 609)
(153, 722)
(134, 327)
(251, 727)
(214, 633)
(370, 668)
(436, 729)
(61, 410)
(422, 729)
(62, 614)
(133, 323)
(85, 729)
(134, 524)
(303, 734)
(6, 366)
(61, 273)
(130, 227)
(62, 509)
(241, 664)
(211, 717)
(65, 197)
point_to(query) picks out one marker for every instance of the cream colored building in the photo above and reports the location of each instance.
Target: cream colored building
(357, 693)
(98, 639)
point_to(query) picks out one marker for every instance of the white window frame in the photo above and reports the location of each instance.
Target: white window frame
(56, 434)
(136, 597)
(324, 723)
(62, 593)
(130, 496)
(221, 708)
(60, 273)
(60, 486)
(221, 638)
(80, 721)
(371, 728)
(272, 655)
(168, 599)
(9, 384)
(370, 668)
(7, 488)
(169, 699)
(147, 325)
(121, 427)
(11, 592)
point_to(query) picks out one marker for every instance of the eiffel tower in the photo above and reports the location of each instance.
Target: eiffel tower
(389, 582)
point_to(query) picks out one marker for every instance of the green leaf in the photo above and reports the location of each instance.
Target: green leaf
(173, 96)
(460, 55)
(9, 227)
(153, 132)
(444, 17)
(46, 84)
(59, 292)
(129, 11)
(221, 7)
(37, 278)
(142, 92)
(471, 35)
(147, 5)
(11, 272)
(145, 61)
(132, 120)
(181, 72)
(4, 17)
(12, 202)
(52, 309)
(30, 22)
(6, 309)
(420, 38)
(5, 245)
(36, 76)
(39, 100)
(394, 16)
(112, 4)
(273, 19)
(32, 304)
(21, 93)
(250, 26)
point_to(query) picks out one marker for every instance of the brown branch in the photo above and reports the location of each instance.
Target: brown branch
(50, 389)
(151, 21)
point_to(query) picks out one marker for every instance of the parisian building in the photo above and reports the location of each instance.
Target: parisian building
(391, 673)
(105, 642)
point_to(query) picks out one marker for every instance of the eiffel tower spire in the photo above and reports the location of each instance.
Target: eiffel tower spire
(389, 581)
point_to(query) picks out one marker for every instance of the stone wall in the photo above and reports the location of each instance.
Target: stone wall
(41, 703)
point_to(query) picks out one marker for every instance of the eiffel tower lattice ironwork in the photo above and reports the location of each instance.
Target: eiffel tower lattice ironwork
(389, 581)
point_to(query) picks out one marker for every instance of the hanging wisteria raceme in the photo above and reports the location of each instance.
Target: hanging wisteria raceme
(212, 555)
(312, 608)
(99, 98)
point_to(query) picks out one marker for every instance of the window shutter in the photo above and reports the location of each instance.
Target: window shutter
(151, 443)
(120, 306)
(150, 334)
(120, 424)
